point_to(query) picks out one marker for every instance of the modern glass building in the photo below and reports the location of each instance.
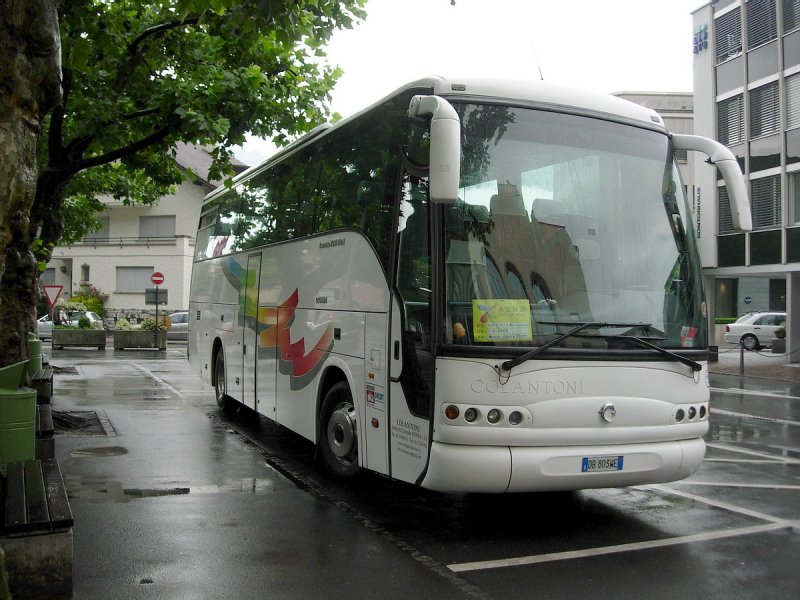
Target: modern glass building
(747, 96)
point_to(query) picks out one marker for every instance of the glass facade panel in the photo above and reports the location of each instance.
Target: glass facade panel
(762, 62)
(764, 113)
(765, 153)
(724, 219)
(765, 247)
(791, 50)
(730, 120)
(793, 244)
(730, 75)
(765, 202)
(791, 14)
(794, 197)
(730, 250)
(793, 146)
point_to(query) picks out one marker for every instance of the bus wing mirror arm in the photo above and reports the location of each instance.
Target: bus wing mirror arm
(445, 150)
(731, 174)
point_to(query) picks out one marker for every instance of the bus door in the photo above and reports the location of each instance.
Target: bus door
(250, 331)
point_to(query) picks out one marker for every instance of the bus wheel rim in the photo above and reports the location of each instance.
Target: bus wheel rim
(342, 432)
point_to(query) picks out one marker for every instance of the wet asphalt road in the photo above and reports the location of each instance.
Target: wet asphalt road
(174, 499)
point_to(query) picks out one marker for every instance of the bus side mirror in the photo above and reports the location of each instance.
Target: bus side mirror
(445, 150)
(730, 171)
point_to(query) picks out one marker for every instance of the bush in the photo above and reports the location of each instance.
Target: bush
(92, 298)
(84, 323)
(123, 324)
(724, 320)
(149, 324)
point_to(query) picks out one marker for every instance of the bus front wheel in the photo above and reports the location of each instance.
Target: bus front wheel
(220, 389)
(338, 436)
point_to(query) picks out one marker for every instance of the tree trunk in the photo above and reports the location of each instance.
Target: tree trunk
(30, 67)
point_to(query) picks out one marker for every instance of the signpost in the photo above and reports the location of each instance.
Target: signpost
(52, 293)
(156, 298)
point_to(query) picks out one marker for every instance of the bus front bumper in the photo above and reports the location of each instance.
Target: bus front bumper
(493, 469)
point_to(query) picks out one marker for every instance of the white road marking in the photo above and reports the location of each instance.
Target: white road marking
(731, 413)
(604, 550)
(760, 486)
(741, 392)
(774, 457)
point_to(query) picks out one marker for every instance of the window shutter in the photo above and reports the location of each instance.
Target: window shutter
(730, 121)
(791, 14)
(793, 101)
(764, 114)
(725, 221)
(728, 36)
(762, 25)
(765, 202)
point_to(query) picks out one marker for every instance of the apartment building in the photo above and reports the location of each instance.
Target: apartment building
(137, 241)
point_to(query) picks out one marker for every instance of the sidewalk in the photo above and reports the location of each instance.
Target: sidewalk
(762, 364)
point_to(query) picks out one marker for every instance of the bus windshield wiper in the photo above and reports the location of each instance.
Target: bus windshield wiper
(510, 364)
(696, 366)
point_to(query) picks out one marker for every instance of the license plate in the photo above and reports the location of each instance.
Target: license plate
(598, 464)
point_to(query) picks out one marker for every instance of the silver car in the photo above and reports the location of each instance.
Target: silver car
(178, 326)
(44, 325)
(754, 330)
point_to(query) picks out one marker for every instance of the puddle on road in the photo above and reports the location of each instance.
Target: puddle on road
(96, 491)
(101, 451)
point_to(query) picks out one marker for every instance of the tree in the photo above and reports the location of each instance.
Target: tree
(139, 75)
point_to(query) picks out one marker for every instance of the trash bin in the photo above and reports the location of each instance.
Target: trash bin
(34, 354)
(17, 426)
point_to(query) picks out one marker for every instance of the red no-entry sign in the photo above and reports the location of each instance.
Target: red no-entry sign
(157, 278)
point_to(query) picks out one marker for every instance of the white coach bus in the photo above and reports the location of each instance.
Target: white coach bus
(470, 286)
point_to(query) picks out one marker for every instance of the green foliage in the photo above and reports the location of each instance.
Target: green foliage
(149, 324)
(724, 320)
(84, 323)
(140, 75)
(123, 324)
(91, 297)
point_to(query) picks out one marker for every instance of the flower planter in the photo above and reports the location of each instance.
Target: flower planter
(778, 345)
(84, 338)
(138, 338)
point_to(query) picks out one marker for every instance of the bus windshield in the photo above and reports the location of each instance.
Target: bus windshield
(564, 220)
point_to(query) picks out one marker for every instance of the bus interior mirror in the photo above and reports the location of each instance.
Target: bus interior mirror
(730, 171)
(445, 147)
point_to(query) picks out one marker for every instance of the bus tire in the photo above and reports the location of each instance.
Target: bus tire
(338, 432)
(220, 387)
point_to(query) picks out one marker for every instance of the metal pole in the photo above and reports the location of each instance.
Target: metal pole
(155, 341)
(741, 361)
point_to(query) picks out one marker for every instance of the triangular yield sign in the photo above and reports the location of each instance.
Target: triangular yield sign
(52, 292)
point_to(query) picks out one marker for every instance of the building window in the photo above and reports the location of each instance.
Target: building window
(762, 25)
(725, 221)
(48, 277)
(730, 121)
(133, 279)
(728, 35)
(764, 114)
(791, 15)
(793, 101)
(84, 272)
(794, 197)
(102, 234)
(765, 202)
(161, 226)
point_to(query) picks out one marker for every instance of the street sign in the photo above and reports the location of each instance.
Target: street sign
(157, 278)
(155, 296)
(52, 292)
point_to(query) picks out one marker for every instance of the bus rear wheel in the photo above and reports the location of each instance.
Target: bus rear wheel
(338, 435)
(220, 388)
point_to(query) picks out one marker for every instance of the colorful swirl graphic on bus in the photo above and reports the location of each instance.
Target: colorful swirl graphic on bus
(274, 332)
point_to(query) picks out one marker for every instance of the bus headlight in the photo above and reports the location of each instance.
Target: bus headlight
(470, 415)
(493, 416)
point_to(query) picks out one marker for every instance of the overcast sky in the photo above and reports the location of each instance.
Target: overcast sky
(601, 45)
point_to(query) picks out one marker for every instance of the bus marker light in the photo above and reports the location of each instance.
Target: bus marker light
(493, 416)
(515, 418)
(679, 415)
(452, 412)
(692, 412)
(375, 423)
(470, 415)
(702, 412)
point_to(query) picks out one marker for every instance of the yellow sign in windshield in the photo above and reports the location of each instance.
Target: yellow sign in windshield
(501, 320)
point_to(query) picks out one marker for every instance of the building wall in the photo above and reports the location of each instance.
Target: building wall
(171, 256)
(747, 96)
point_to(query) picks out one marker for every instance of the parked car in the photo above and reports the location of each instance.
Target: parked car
(44, 325)
(178, 326)
(754, 330)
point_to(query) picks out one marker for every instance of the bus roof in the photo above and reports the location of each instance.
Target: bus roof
(534, 93)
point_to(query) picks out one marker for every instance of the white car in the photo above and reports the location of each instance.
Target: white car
(754, 330)
(178, 326)
(44, 325)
